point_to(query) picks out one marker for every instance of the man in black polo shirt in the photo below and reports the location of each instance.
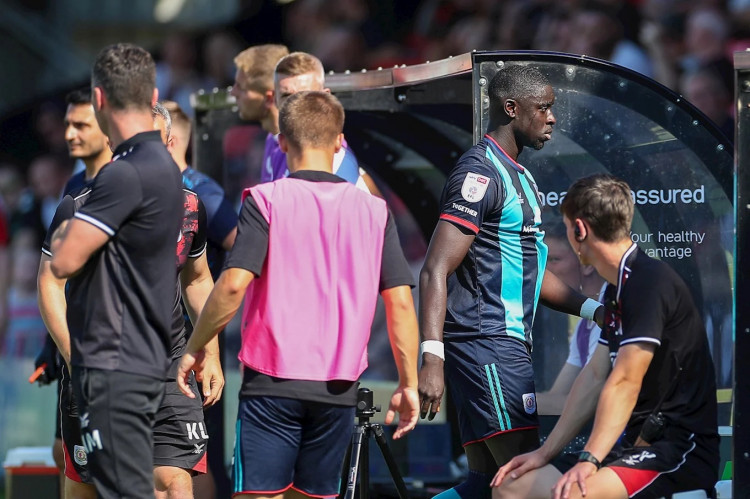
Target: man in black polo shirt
(655, 430)
(121, 246)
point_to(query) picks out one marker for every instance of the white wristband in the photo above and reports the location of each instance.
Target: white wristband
(588, 308)
(434, 347)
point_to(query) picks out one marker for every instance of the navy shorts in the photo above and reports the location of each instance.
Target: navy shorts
(491, 382)
(284, 443)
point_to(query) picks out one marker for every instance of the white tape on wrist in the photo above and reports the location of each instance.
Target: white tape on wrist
(434, 347)
(588, 308)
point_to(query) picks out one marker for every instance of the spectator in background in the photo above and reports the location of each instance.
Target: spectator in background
(11, 189)
(706, 36)
(176, 77)
(218, 53)
(4, 267)
(26, 332)
(706, 90)
(664, 40)
(46, 178)
(48, 124)
(599, 33)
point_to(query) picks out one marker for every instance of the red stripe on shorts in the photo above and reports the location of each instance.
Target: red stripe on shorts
(200, 466)
(634, 480)
(70, 469)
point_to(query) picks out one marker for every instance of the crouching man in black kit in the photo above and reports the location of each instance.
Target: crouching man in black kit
(652, 374)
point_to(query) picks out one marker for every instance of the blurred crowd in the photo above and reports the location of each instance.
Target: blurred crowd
(686, 45)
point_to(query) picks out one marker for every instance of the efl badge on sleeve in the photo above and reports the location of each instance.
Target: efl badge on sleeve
(529, 403)
(474, 188)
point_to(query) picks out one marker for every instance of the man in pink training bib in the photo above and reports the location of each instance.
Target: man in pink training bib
(311, 254)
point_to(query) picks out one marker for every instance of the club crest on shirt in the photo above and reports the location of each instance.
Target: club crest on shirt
(474, 187)
(80, 456)
(529, 403)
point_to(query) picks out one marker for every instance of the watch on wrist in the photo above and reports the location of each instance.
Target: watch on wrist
(587, 457)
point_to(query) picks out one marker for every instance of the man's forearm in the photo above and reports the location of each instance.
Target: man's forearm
(403, 333)
(433, 297)
(579, 408)
(197, 285)
(53, 308)
(221, 306)
(557, 295)
(612, 414)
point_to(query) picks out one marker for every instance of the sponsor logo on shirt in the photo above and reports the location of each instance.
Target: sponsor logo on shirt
(474, 187)
(529, 403)
(471, 212)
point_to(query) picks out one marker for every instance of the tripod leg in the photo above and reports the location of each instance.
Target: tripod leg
(364, 469)
(354, 454)
(390, 461)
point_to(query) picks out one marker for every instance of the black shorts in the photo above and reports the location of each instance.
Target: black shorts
(180, 434)
(678, 462)
(58, 430)
(76, 459)
(117, 412)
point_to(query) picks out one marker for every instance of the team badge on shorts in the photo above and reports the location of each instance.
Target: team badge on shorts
(80, 456)
(529, 403)
(474, 187)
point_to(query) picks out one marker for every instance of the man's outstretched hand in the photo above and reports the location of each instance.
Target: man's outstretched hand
(405, 402)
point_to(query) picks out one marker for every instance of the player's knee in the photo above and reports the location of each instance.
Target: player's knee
(173, 484)
(508, 490)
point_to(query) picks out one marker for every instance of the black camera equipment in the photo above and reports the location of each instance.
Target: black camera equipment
(653, 428)
(358, 454)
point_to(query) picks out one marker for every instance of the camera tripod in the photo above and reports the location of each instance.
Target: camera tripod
(358, 453)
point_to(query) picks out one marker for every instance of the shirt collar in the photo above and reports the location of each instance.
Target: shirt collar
(137, 139)
(316, 176)
(625, 267)
(501, 152)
